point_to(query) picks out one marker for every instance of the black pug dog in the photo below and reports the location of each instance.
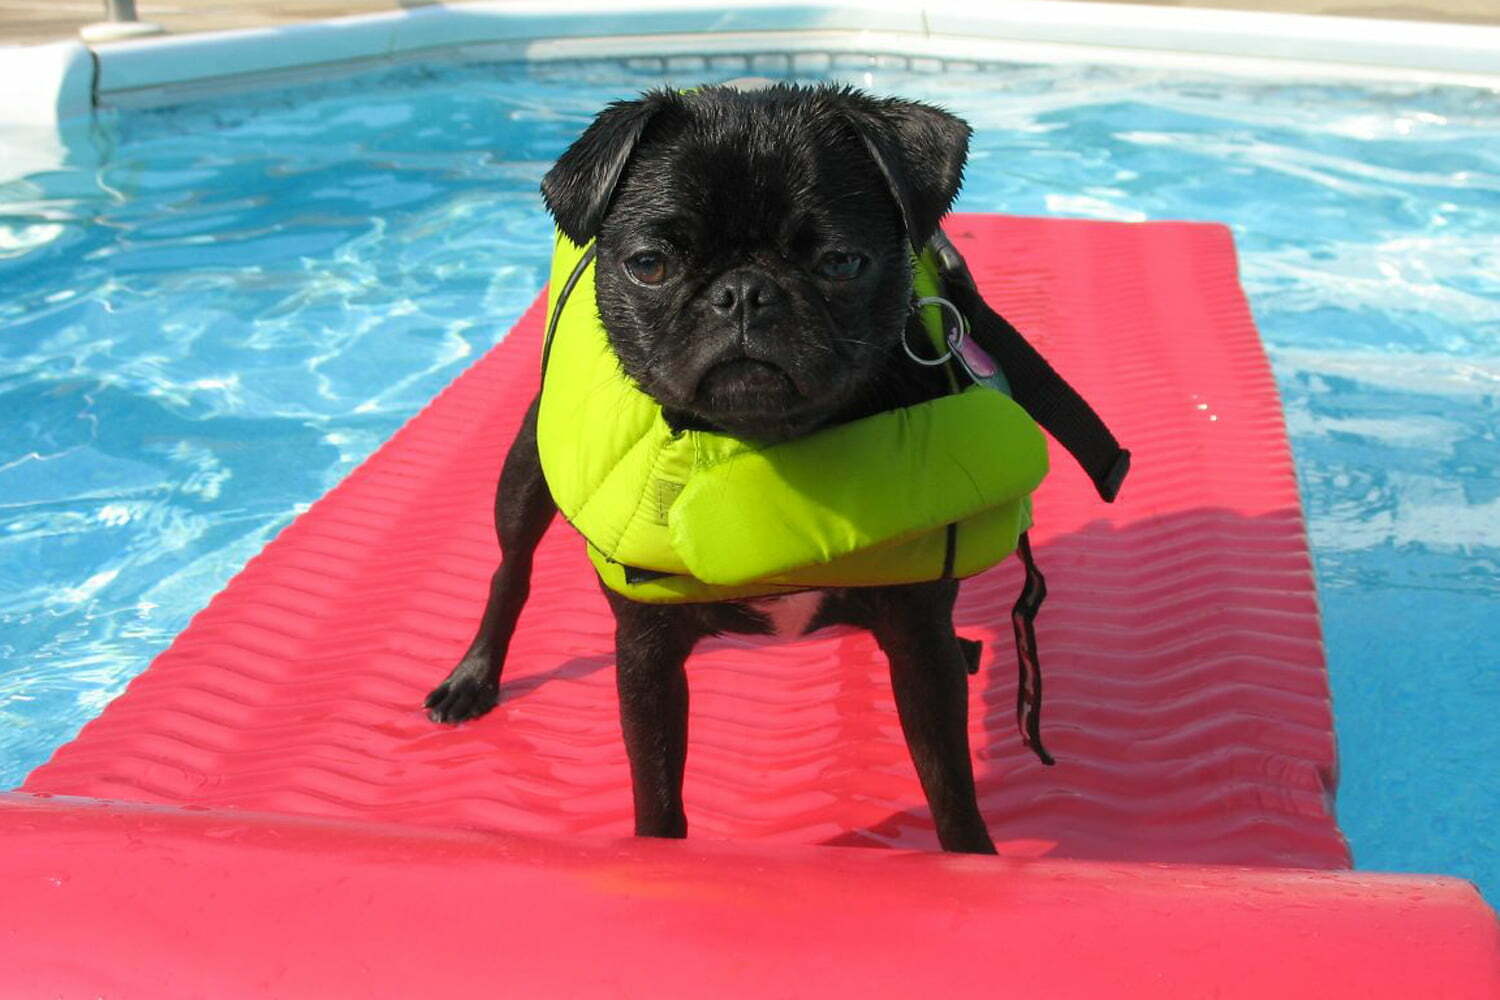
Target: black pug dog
(753, 277)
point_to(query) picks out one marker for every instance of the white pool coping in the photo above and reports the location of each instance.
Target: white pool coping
(64, 79)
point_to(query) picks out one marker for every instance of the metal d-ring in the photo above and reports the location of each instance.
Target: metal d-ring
(955, 340)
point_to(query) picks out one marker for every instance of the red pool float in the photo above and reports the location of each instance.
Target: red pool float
(267, 812)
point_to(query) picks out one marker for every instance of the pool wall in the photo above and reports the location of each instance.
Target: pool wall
(51, 82)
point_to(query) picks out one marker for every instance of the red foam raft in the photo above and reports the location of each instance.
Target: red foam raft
(283, 820)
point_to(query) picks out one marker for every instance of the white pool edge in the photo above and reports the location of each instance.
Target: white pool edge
(54, 82)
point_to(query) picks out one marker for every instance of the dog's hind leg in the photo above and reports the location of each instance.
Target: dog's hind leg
(523, 509)
(929, 668)
(973, 649)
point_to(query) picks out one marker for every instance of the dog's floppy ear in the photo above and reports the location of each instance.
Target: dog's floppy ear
(920, 151)
(579, 186)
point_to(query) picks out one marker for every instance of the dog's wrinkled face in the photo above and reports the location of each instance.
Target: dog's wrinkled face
(753, 268)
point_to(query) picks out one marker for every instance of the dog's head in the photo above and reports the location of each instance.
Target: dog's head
(753, 246)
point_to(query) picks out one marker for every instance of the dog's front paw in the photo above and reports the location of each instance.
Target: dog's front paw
(461, 697)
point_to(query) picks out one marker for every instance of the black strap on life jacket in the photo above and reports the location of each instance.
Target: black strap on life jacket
(1034, 384)
(1029, 687)
(1058, 407)
(562, 299)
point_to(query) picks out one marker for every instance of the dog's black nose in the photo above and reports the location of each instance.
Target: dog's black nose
(745, 294)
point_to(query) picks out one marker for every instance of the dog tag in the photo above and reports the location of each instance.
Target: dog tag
(977, 362)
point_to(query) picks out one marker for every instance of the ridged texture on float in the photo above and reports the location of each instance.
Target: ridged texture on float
(1186, 700)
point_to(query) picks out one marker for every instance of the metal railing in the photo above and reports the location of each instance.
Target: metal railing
(120, 23)
(119, 10)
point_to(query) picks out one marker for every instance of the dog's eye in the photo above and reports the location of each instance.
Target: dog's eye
(840, 266)
(647, 268)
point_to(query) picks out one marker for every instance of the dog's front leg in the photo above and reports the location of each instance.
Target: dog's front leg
(523, 509)
(652, 644)
(929, 675)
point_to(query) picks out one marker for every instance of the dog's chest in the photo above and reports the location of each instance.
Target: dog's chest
(789, 616)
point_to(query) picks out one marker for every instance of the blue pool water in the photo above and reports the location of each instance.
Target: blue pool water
(207, 326)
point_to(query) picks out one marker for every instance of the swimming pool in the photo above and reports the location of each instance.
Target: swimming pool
(205, 330)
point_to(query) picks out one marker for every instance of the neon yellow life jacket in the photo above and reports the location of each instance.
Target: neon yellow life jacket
(902, 496)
